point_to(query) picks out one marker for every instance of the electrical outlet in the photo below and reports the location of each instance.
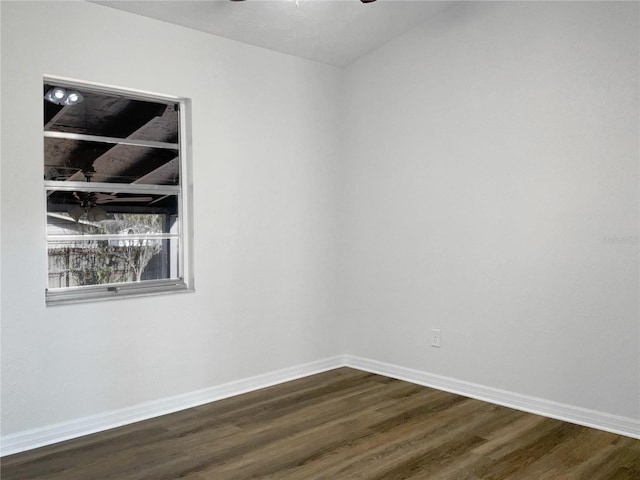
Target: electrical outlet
(435, 337)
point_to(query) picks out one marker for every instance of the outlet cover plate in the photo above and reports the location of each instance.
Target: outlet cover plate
(435, 337)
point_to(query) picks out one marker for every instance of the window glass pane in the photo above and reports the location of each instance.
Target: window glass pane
(84, 263)
(110, 115)
(97, 213)
(77, 160)
(121, 224)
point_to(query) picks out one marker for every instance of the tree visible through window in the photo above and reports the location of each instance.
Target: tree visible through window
(113, 174)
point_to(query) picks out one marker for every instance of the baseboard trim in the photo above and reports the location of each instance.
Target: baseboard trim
(590, 418)
(39, 437)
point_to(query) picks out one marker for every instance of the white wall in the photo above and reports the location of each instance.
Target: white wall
(264, 148)
(492, 192)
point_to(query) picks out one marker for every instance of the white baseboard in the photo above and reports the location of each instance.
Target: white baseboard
(38, 437)
(590, 418)
(30, 439)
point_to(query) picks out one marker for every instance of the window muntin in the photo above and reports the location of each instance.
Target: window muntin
(114, 168)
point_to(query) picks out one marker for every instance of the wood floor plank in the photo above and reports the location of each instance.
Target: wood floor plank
(343, 424)
(362, 447)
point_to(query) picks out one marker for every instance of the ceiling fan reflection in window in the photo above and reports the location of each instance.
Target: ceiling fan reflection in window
(89, 202)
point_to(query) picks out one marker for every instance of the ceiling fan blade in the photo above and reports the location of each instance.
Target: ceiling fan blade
(102, 197)
(76, 213)
(125, 200)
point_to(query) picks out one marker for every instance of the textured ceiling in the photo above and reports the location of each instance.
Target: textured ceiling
(336, 32)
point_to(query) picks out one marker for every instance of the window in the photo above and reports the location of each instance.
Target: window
(116, 187)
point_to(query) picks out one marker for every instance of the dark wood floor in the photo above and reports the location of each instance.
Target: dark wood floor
(342, 424)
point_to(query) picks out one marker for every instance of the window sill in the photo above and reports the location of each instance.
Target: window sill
(114, 292)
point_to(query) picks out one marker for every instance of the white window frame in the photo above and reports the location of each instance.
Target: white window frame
(184, 192)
